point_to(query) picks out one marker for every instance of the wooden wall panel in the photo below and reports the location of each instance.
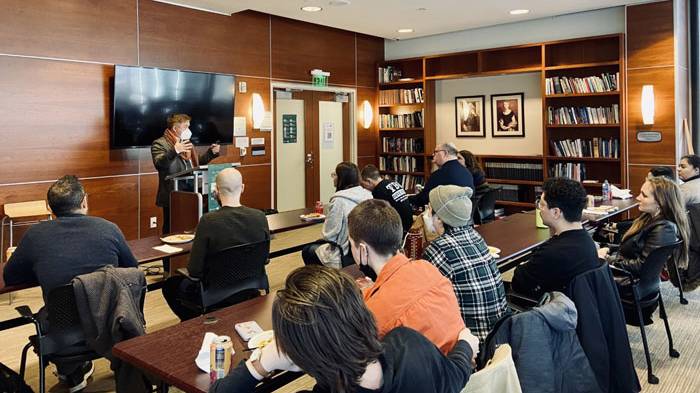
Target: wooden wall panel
(70, 29)
(651, 153)
(362, 161)
(148, 188)
(370, 52)
(56, 121)
(638, 174)
(182, 38)
(244, 108)
(366, 138)
(650, 35)
(257, 186)
(299, 47)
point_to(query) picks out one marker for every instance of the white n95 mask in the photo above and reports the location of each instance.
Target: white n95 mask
(186, 135)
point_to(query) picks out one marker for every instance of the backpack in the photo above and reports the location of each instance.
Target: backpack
(10, 382)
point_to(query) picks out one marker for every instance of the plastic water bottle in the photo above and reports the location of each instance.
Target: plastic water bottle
(606, 190)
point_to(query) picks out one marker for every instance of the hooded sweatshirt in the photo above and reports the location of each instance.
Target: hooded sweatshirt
(547, 353)
(335, 229)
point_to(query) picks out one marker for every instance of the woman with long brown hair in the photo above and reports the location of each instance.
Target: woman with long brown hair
(663, 221)
(323, 327)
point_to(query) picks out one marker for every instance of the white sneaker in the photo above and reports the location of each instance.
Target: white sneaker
(87, 373)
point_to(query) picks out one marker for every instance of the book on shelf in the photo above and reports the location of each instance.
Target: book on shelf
(606, 82)
(513, 170)
(572, 170)
(408, 182)
(583, 115)
(507, 192)
(586, 148)
(408, 120)
(389, 74)
(399, 164)
(402, 145)
(401, 96)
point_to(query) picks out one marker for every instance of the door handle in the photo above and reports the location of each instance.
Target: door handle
(310, 158)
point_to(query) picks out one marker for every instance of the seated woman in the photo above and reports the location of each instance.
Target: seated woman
(662, 222)
(323, 327)
(689, 172)
(466, 158)
(348, 193)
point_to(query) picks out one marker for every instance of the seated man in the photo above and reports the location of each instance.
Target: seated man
(451, 172)
(571, 250)
(461, 255)
(233, 224)
(409, 293)
(52, 253)
(389, 191)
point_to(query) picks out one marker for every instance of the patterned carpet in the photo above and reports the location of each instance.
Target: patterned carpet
(681, 375)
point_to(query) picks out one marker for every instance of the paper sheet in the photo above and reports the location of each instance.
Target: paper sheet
(242, 141)
(239, 123)
(267, 122)
(166, 248)
(257, 141)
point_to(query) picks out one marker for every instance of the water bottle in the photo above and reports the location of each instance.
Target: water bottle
(606, 190)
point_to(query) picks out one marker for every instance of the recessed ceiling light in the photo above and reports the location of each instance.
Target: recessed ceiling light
(519, 12)
(338, 3)
(405, 30)
(311, 8)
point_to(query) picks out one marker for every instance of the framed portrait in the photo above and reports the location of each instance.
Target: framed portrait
(469, 112)
(508, 115)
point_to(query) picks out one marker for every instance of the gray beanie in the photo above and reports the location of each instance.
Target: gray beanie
(452, 204)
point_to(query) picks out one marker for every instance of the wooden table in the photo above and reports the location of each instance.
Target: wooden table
(176, 367)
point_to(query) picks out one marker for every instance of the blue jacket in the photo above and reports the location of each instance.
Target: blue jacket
(451, 172)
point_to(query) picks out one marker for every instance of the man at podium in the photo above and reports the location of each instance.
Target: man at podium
(173, 153)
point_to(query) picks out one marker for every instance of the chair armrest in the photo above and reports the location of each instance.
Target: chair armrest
(622, 271)
(186, 273)
(25, 312)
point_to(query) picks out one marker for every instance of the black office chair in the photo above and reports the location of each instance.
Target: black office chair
(231, 272)
(64, 341)
(484, 205)
(646, 295)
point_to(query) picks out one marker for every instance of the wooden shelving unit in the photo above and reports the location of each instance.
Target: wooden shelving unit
(574, 58)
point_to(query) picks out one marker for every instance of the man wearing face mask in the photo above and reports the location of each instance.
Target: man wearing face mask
(173, 153)
(409, 293)
(233, 224)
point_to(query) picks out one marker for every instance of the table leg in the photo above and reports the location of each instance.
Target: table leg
(163, 388)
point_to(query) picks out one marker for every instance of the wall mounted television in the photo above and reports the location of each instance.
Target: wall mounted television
(145, 97)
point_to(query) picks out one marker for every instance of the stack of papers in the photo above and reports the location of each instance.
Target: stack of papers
(167, 249)
(599, 210)
(620, 193)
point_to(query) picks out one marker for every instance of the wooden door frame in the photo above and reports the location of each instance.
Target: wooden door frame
(349, 140)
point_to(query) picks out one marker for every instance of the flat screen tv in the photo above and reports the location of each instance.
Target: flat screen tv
(145, 97)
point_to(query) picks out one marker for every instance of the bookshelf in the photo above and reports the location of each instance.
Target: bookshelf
(583, 111)
(401, 144)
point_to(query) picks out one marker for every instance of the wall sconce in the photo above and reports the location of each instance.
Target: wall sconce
(367, 114)
(258, 111)
(648, 104)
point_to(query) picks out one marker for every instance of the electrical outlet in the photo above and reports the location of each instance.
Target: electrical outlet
(154, 222)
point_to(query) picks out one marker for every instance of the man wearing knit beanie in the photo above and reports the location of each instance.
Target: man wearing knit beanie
(461, 255)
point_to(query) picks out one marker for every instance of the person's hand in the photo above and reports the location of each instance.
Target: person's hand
(271, 359)
(215, 148)
(183, 146)
(472, 340)
(603, 252)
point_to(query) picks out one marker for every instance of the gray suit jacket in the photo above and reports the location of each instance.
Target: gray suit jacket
(168, 162)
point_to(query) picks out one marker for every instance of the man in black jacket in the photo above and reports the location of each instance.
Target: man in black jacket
(451, 172)
(389, 191)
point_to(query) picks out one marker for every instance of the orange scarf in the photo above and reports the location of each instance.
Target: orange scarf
(188, 155)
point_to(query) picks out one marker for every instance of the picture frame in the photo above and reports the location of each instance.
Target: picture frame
(508, 115)
(470, 121)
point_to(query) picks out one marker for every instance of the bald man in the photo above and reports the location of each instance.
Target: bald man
(233, 224)
(450, 172)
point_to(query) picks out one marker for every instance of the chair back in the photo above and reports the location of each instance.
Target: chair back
(484, 206)
(64, 323)
(653, 265)
(234, 269)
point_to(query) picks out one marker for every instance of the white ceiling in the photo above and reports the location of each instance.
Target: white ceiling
(384, 17)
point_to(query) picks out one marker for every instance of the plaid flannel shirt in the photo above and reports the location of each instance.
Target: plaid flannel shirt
(462, 256)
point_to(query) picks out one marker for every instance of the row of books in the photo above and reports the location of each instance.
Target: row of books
(399, 164)
(408, 120)
(592, 84)
(595, 147)
(513, 170)
(401, 96)
(402, 145)
(408, 182)
(583, 115)
(575, 171)
(389, 74)
(507, 192)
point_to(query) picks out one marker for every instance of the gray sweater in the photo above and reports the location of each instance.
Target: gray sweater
(52, 253)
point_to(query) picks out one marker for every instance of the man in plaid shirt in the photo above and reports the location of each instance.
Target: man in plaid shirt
(461, 255)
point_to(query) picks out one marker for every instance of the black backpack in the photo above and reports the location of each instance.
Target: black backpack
(10, 382)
